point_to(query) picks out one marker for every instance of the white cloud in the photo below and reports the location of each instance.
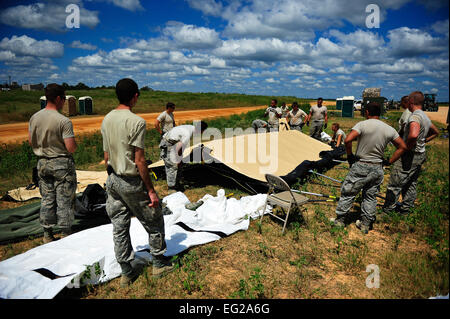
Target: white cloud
(192, 37)
(272, 80)
(195, 70)
(301, 69)
(26, 46)
(266, 50)
(187, 82)
(406, 42)
(50, 16)
(427, 83)
(84, 46)
(208, 7)
(293, 19)
(441, 27)
(357, 83)
(217, 63)
(132, 5)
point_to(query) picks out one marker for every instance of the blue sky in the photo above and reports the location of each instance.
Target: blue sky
(305, 48)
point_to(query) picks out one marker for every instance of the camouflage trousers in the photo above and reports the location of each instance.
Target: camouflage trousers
(316, 129)
(403, 180)
(258, 126)
(57, 186)
(365, 177)
(169, 156)
(128, 197)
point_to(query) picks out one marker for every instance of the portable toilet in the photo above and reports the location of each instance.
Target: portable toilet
(85, 105)
(347, 106)
(339, 103)
(70, 106)
(43, 101)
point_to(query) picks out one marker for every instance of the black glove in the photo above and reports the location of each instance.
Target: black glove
(325, 125)
(307, 123)
(386, 162)
(351, 159)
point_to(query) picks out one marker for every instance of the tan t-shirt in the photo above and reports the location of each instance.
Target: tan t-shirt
(48, 129)
(296, 118)
(318, 113)
(374, 136)
(425, 124)
(166, 121)
(404, 119)
(122, 131)
(273, 111)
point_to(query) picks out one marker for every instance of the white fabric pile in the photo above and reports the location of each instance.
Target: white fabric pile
(87, 257)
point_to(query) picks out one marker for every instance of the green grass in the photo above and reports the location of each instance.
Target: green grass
(18, 105)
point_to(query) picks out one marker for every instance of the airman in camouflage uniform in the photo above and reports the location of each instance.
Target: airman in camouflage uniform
(418, 130)
(318, 114)
(172, 146)
(129, 187)
(259, 125)
(366, 168)
(53, 141)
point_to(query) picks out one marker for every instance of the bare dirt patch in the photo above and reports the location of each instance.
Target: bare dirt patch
(439, 116)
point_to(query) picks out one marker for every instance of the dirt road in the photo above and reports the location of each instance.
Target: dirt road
(439, 116)
(18, 132)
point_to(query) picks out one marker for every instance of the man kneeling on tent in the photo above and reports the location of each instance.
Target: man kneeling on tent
(172, 146)
(366, 168)
(129, 187)
(338, 136)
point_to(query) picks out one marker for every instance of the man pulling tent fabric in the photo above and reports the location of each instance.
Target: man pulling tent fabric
(366, 168)
(172, 145)
(274, 113)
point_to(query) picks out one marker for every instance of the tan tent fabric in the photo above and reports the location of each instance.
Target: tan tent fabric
(283, 125)
(84, 178)
(290, 149)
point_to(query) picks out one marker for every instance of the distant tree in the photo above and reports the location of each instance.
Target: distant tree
(81, 86)
(66, 86)
(146, 88)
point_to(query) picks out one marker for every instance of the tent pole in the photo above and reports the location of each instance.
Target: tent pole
(334, 180)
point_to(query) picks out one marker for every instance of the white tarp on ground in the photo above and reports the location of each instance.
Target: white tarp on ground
(93, 250)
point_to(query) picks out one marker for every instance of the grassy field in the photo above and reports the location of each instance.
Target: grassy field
(311, 260)
(18, 105)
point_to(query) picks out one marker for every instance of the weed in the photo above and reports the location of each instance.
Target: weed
(191, 268)
(253, 289)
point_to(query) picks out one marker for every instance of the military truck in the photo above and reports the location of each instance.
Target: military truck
(373, 95)
(430, 104)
